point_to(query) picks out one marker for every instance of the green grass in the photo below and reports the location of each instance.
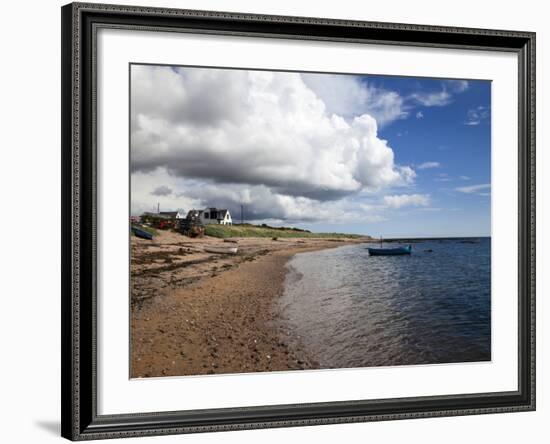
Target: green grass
(249, 230)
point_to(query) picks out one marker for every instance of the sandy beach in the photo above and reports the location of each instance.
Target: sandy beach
(194, 312)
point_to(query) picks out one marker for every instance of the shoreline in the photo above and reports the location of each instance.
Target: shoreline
(216, 314)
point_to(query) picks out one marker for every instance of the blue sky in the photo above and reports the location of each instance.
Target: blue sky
(379, 155)
(448, 143)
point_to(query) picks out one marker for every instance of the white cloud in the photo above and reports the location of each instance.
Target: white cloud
(427, 165)
(215, 135)
(263, 204)
(457, 85)
(348, 96)
(404, 200)
(465, 177)
(442, 97)
(438, 98)
(477, 189)
(142, 197)
(477, 115)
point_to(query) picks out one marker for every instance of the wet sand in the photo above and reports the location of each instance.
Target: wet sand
(196, 313)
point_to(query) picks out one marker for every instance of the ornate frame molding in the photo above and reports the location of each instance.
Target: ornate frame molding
(80, 22)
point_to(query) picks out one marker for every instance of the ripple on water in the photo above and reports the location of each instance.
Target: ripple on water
(354, 310)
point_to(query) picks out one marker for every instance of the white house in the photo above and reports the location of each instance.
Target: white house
(172, 214)
(215, 216)
(165, 215)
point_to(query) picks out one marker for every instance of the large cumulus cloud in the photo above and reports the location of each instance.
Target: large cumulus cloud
(264, 138)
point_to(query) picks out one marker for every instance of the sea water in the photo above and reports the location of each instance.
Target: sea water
(349, 309)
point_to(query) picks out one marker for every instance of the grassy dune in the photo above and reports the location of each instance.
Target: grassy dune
(249, 230)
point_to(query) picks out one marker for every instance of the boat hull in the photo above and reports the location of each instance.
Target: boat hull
(399, 251)
(142, 233)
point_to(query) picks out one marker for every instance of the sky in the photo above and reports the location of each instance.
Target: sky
(369, 154)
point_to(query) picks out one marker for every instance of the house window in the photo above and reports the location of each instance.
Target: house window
(206, 216)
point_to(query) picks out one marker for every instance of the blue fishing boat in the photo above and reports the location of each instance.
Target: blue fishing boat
(142, 233)
(390, 251)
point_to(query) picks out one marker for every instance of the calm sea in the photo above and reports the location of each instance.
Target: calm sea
(349, 309)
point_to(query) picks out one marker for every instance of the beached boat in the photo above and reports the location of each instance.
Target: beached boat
(221, 250)
(142, 233)
(390, 251)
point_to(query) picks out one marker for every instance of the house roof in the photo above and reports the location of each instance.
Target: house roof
(169, 213)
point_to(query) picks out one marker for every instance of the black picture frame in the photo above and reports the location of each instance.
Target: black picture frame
(80, 420)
